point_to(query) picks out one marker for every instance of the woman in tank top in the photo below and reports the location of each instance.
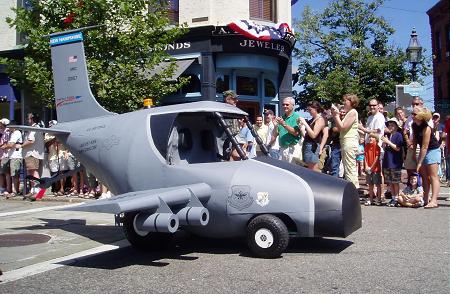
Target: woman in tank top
(429, 156)
(313, 135)
(349, 136)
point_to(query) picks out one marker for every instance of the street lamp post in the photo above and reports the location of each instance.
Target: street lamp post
(414, 53)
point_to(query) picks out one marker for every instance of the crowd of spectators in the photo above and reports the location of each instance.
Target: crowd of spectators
(25, 151)
(335, 141)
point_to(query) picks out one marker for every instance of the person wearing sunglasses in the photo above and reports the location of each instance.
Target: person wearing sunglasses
(429, 155)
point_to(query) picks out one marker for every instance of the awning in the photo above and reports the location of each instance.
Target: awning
(181, 66)
(6, 90)
(16, 53)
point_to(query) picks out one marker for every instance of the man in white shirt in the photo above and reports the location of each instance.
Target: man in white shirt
(262, 130)
(33, 150)
(14, 147)
(375, 122)
(270, 122)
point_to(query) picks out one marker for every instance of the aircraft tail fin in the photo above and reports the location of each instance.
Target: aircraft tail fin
(73, 97)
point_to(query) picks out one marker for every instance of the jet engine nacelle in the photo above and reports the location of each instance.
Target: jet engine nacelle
(157, 222)
(193, 216)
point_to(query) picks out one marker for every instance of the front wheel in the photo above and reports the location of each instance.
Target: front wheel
(267, 236)
(143, 240)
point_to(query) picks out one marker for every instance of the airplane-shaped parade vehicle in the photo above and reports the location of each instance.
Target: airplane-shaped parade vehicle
(165, 165)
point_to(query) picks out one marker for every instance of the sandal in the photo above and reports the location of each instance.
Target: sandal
(368, 203)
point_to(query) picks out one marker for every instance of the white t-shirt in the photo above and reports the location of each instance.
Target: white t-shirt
(376, 122)
(16, 138)
(276, 145)
(36, 149)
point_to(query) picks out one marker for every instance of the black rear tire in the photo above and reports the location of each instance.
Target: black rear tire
(144, 240)
(267, 236)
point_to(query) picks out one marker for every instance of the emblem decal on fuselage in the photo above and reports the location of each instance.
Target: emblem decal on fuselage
(262, 198)
(240, 197)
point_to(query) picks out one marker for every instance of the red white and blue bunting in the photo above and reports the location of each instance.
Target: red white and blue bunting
(252, 30)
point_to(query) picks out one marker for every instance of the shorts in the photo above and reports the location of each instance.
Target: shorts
(310, 152)
(31, 163)
(433, 156)
(14, 166)
(392, 175)
(4, 166)
(373, 178)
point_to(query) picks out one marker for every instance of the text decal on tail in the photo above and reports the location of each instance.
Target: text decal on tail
(73, 97)
(59, 40)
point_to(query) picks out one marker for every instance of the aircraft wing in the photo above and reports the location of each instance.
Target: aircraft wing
(41, 130)
(147, 200)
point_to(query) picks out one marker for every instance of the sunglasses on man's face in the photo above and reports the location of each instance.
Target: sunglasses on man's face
(415, 104)
(373, 105)
(413, 114)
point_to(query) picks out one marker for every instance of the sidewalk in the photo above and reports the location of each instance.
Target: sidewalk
(49, 197)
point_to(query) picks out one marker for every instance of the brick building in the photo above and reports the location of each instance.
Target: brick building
(439, 16)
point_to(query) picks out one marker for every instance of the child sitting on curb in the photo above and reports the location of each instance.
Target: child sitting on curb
(372, 167)
(412, 195)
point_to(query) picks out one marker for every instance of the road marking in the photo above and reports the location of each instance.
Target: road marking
(48, 265)
(36, 210)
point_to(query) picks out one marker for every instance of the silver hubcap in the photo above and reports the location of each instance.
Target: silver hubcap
(264, 238)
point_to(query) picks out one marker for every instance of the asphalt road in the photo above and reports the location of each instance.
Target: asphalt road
(398, 250)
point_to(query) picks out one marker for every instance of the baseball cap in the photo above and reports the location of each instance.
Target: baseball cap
(436, 114)
(230, 93)
(4, 121)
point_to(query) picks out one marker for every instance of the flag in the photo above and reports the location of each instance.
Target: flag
(73, 58)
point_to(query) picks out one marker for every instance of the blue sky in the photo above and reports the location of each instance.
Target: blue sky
(402, 15)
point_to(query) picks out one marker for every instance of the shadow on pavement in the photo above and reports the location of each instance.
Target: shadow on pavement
(180, 248)
(101, 234)
(185, 246)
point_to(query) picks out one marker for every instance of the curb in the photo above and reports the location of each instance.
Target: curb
(48, 198)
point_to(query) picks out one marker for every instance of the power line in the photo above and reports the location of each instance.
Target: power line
(402, 9)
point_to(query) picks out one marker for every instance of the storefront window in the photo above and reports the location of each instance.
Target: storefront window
(269, 88)
(222, 83)
(192, 86)
(247, 86)
(262, 10)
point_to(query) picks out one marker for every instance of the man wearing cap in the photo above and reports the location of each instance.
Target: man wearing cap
(229, 97)
(287, 131)
(271, 123)
(393, 158)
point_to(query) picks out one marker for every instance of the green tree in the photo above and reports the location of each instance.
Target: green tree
(130, 43)
(345, 49)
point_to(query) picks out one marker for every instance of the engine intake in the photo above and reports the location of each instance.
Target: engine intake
(157, 222)
(193, 216)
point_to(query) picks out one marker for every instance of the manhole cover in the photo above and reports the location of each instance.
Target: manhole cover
(14, 240)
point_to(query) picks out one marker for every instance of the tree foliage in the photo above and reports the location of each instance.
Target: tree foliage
(346, 49)
(130, 43)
